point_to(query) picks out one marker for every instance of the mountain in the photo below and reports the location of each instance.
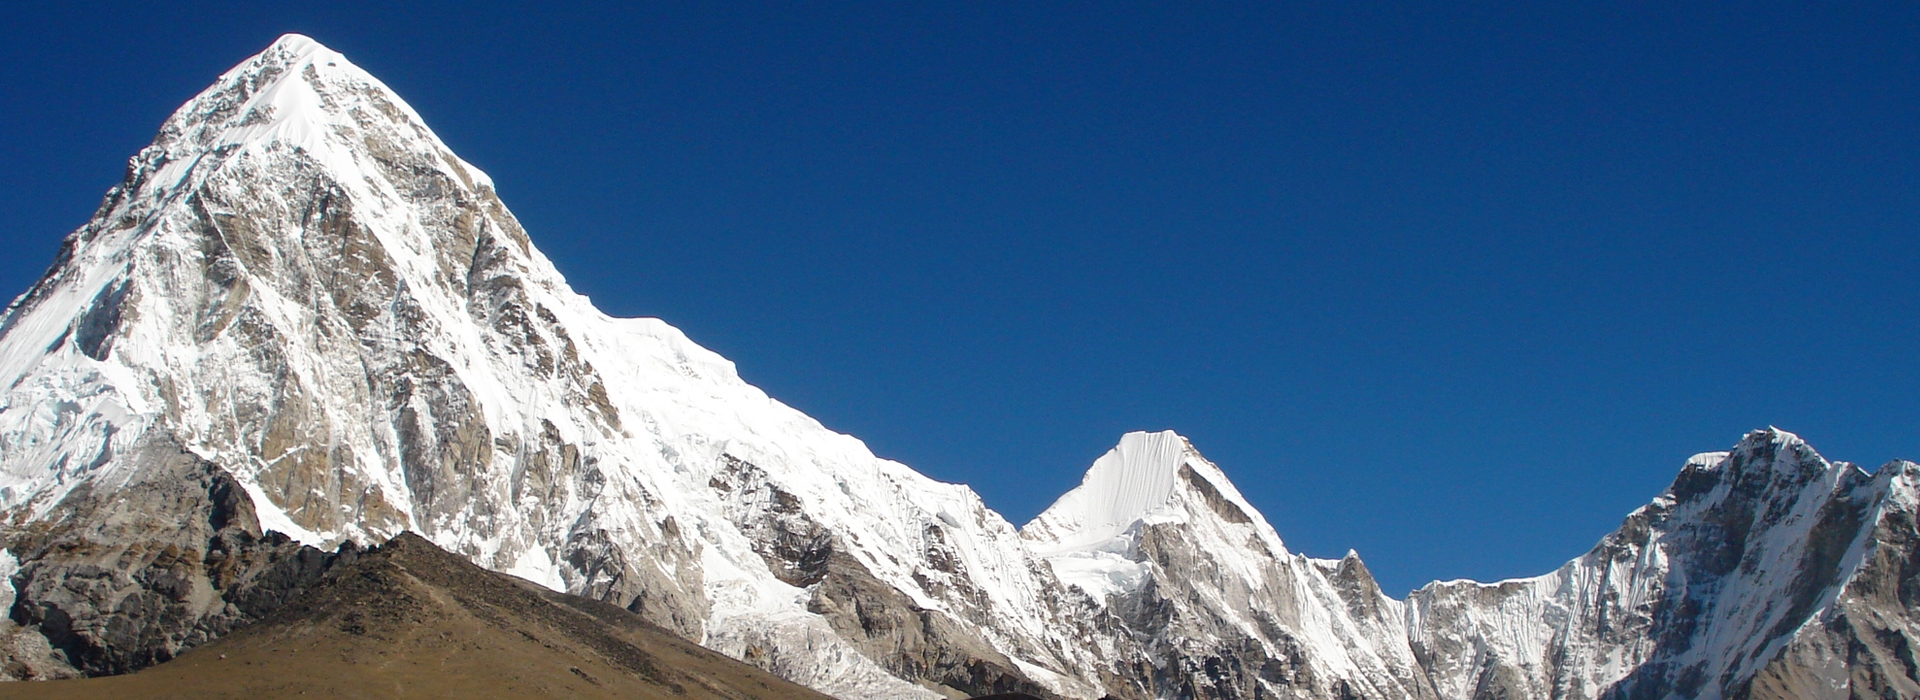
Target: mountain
(1764, 572)
(407, 619)
(301, 288)
(1157, 537)
(301, 325)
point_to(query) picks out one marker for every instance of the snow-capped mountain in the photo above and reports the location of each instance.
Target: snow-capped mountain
(1158, 535)
(1766, 571)
(300, 285)
(302, 313)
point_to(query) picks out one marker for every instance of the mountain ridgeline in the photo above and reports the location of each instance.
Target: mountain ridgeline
(302, 325)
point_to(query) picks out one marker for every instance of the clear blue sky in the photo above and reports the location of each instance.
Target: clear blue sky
(1456, 288)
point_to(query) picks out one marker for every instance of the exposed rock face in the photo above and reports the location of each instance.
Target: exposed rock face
(882, 623)
(302, 313)
(1862, 644)
(911, 641)
(120, 578)
(1762, 572)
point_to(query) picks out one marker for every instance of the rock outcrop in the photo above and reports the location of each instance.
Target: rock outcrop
(121, 577)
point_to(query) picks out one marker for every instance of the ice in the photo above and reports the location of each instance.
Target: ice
(1100, 574)
(534, 565)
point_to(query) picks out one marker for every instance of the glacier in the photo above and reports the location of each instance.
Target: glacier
(301, 313)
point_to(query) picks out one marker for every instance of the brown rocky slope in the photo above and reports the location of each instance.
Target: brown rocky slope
(409, 620)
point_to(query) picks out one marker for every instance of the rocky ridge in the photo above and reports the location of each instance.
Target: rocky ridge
(1766, 571)
(301, 313)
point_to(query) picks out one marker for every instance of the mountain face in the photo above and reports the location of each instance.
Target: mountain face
(1162, 541)
(301, 287)
(302, 324)
(1764, 572)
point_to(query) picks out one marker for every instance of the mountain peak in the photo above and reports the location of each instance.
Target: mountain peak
(1122, 487)
(1778, 451)
(300, 45)
(298, 95)
(293, 214)
(1137, 482)
(1768, 459)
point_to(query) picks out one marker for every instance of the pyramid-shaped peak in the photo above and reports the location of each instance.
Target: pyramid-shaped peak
(288, 51)
(299, 45)
(1129, 481)
(297, 94)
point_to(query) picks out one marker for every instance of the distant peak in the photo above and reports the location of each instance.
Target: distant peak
(1762, 444)
(1769, 455)
(1138, 473)
(1129, 481)
(1351, 568)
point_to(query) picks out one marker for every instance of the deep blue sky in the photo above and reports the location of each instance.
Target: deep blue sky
(1456, 288)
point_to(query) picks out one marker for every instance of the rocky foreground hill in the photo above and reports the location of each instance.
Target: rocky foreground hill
(409, 620)
(302, 325)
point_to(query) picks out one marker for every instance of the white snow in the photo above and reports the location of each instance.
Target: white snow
(8, 567)
(1124, 486)
(274, 518)
(1100, 574)
(534, 565)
